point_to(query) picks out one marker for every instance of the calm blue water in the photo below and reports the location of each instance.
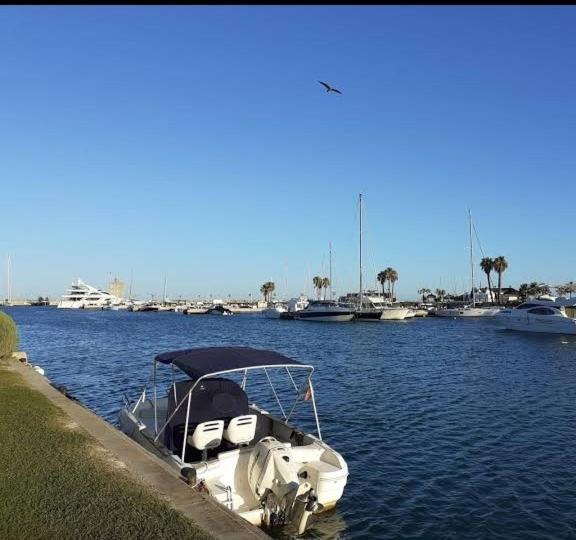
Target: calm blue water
(451, 429)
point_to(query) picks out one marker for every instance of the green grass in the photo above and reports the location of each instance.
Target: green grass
(58, 482)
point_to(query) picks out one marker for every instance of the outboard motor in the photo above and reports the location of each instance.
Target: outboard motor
(274, 481)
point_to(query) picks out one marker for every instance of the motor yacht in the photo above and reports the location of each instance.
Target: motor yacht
(258, 465)
(535, 316)
(84, 296)
(394, 313)
(325, 311)
(219, 309)
(275, 310)
(466, 311)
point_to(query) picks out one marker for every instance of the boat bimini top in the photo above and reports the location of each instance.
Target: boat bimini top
(214, 394)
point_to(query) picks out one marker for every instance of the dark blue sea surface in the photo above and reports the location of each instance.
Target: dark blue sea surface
(452, 429)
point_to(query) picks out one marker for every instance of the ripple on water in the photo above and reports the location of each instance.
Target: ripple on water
(451, 429)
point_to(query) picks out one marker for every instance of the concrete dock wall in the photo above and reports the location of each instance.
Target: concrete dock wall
(209, 515)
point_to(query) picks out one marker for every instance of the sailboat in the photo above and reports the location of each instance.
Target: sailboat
(367, 309)
(473, 310)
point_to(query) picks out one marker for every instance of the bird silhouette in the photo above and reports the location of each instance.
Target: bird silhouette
(329, 88)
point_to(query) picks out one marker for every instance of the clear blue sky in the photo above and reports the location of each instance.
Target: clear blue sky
(196, 143)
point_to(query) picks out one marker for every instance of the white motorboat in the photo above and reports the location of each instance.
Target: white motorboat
(275, 311)
(219, 309)
(534, 316)
(325, 311)
(258, 465)
(467, 311)
(84, 296)
(394, 313)
(192, 310)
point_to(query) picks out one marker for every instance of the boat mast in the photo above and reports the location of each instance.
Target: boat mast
(330, 278)
(471, 258)
(164, 290)
(360, 295)
(130, 289)
(8, 284)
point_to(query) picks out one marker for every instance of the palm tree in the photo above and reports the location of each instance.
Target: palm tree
(561, 290)
(388, 271)
(440, 294)
(393, 278)
(543, 288)
(267, 289)
(424, 292)
(325, 285)
(317, 280)
(487, 265)
(523, 291)
(500, 265)
(382, 278)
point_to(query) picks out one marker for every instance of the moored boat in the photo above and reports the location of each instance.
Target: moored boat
(258, 465)
(535, 316)
(325, 311)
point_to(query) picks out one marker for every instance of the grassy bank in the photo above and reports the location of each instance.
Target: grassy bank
(58, 482)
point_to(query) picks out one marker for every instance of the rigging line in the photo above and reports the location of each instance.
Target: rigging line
(478, 239)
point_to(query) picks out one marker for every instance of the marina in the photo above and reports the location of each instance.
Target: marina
(449, 427)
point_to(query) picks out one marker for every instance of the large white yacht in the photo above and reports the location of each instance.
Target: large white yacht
(538, 316)
(84, 296)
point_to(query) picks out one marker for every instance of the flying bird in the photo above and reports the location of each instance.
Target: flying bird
(329, 88)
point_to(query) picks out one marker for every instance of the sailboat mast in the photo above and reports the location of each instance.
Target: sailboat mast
(330, 278)
(361, 294)
(130, 289)
(164, 290)
(9, 285)
(471, 258)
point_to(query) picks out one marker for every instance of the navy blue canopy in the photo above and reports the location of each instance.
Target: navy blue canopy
(204, 361)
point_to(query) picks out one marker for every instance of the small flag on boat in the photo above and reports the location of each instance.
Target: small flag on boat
(308, 393)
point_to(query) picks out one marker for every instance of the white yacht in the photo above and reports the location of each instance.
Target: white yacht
(375, 308)
(84, 296)
(467, 311)
(535, 316)
(325, 311)
(263, 467)
(394, 313)
(275, 310)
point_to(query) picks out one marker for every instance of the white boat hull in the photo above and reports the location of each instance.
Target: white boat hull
(325, 317)
(467, 312)
(273, 313)
(542, 324)
(394, 314)
(230, 478)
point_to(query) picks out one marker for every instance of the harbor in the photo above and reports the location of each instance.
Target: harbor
(288, 272)
(458, 424)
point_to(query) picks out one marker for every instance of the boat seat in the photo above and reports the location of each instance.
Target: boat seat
(241, 429)
(207, 435)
